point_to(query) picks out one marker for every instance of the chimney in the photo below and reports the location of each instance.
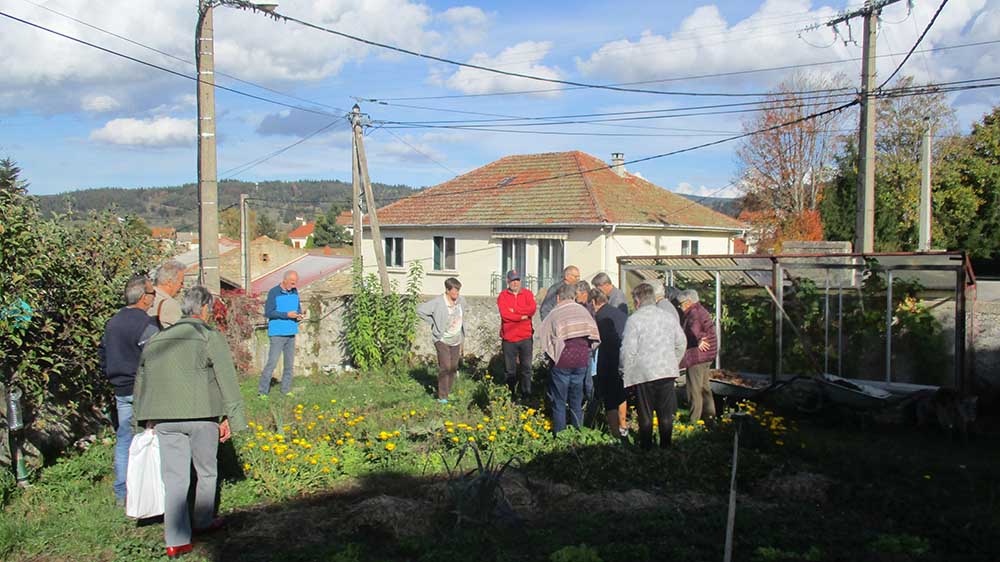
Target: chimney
(618, 163)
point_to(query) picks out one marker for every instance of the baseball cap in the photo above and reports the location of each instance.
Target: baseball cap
(513, 275)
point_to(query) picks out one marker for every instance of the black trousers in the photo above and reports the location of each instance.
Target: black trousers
(656, 396)
(517, 361)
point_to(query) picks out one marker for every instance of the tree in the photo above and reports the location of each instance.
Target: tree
(328, 232)
(9, 173)
(229, 223)
(784, 169)
(266, 226)
(902, 121)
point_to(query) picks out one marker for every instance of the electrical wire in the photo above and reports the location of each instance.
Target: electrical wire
(177, 58)
(422, 153)
(163, 68)
(915, 45)
(247, 166)
(689, 77)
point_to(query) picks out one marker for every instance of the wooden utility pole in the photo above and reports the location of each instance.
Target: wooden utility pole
(362, 166)
(208, 185)
(245, 278)
(924, 239)
(864, 230)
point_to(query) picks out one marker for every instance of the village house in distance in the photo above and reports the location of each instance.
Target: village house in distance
(537, 213)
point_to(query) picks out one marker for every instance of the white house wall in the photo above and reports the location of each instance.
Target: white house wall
(478, 254)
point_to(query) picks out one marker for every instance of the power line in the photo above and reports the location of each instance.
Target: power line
(420, 152)
(915, 45)
(486, 68)
(163, 68)
(689, 77)
(247, 166)
(177, 58)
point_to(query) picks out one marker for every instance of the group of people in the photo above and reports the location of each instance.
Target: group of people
(172, 371)
(594, 347)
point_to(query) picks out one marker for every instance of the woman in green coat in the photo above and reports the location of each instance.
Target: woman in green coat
(186, 387)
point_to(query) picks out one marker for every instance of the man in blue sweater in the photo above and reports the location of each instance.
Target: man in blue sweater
(119, 351)
(283, 312)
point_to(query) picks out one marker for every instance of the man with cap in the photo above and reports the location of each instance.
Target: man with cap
(517, 306)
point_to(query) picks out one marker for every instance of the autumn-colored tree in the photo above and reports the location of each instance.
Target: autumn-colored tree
(783, 170)
(229, 223)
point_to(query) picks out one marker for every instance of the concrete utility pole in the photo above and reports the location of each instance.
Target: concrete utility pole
(924, 240)
(245, 278)
(864, 231)
(362, 167)
(208, 186)
(356, 202)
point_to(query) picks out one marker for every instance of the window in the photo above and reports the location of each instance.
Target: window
(550, 262)
(513, 255)
(444, 253)
(689, 247)
(265, 258)
(394, 252)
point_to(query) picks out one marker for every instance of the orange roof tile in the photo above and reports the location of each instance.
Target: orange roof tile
(304, 231)
(550, 189)
(345, 218)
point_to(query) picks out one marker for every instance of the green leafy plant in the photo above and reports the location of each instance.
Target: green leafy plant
(477, 495)
(581, 553)
(901, 544)
(381, 328)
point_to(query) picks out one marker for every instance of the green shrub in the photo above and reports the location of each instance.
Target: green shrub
(381, 328)
(582, 553)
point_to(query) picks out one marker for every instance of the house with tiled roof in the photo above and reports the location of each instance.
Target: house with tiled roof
(538, 213)
(300, 236)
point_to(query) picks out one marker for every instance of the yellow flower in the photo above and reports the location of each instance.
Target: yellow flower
(390, 446)
(700, 422)
(486, 419)
(413, 412)
(492, 437)
(325, 470)
(503, 428)
(454, 439)
(779, 443)
(531, 411)
(334, 460)
(265, 448)
(479, 426)
(472, 439)
(246, 466)
(450, 430)
(395, 433)
(313, 461)
(340, 441)
(350, 441)
(333, 401)
(293, 469)
(448, 423)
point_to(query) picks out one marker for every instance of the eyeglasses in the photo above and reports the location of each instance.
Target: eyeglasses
(150, 292)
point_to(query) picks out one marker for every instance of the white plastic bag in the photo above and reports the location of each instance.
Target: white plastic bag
(144, 483)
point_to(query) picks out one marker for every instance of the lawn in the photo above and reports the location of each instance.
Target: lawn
(363, 467)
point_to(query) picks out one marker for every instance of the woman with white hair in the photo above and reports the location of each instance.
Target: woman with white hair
(702, 346)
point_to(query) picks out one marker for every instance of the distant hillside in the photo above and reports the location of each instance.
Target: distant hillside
(177, 206)
(726, 205)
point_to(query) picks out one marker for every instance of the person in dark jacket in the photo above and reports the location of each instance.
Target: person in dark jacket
(124, 336)
(610, 387)
(186, 384)
(283, 312)
(616, 297)
(701, 349)
(517, 306)
(571, 274)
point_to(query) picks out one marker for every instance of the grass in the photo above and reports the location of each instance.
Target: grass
(813, 490)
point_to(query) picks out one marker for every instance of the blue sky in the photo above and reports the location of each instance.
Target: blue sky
(74, 117)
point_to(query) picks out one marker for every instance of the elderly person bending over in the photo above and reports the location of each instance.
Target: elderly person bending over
(701, 348)
(186, 384)
(651, 349)
(567, 335)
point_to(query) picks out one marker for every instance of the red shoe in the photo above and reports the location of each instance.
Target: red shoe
(214, 526)
(178, 551)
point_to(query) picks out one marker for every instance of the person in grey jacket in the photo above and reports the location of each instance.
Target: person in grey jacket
(662, 302)
(652, 347)
(445, 314)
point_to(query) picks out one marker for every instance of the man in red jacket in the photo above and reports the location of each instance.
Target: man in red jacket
(702, 346)
(517, 306)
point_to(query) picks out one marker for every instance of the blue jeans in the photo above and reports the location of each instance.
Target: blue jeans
(279, 346)
(566, 386)
(123, 440)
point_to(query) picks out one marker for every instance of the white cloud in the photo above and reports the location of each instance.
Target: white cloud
(401, 152)
(99, 103)
(705, 43)
(156, 132)
(47, 72)
(686, 188)
(468, 24)
(523, 58)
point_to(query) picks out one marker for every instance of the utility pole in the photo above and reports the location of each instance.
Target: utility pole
(924, 240)
(864, 230)
(245, 247)
(208, 186)
(362, 166)
(356, 203)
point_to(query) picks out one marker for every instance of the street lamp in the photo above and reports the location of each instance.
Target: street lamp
(208, 184)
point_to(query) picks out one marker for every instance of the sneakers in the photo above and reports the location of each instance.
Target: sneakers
(442, 400)
(178, 551)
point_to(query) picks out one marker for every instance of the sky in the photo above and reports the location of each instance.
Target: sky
(75, 117)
